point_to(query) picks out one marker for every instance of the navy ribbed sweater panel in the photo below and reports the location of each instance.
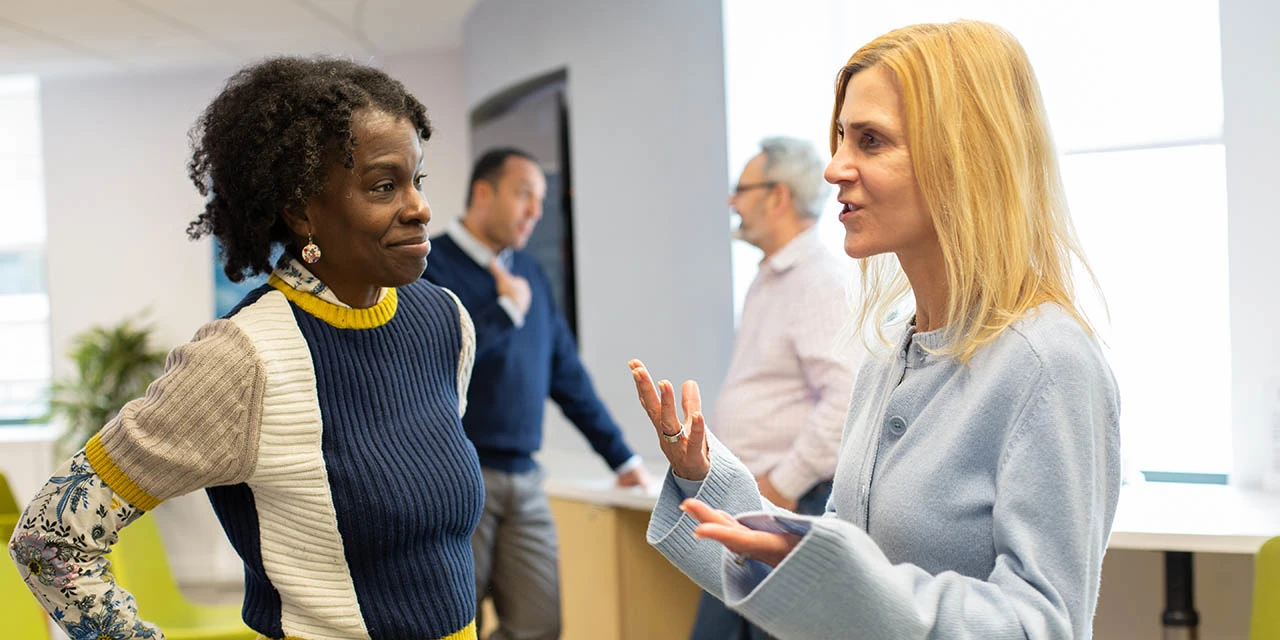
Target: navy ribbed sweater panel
(517, 369)
(408, 497)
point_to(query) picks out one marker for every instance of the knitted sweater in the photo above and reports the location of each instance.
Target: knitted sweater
(970, 501)
(331, 443)
(521, 367)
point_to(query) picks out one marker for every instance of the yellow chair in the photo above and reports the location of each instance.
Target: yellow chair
(139, 564)
(20, 611)
(1265, 623)
(22, 615)
(8, 503)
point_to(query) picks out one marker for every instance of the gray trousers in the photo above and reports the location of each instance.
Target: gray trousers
(516, 557)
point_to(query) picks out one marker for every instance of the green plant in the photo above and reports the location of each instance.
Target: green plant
(113, 365)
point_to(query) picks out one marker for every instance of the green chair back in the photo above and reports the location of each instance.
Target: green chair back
(1265, 622)
(8, 503)
(22, 614)
(140, 566)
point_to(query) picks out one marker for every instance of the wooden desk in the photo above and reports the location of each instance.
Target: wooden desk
(1181, 519)
(613, 585)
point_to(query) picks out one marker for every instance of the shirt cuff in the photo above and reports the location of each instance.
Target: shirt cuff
(631, 463)
(690, 488)
(509, 305)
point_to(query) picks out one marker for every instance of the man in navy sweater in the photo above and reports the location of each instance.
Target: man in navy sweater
(524, 354)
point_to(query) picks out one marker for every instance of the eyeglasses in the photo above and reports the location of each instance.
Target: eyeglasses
(739, 188)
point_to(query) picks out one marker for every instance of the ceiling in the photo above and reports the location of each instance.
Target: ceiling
(57, 37)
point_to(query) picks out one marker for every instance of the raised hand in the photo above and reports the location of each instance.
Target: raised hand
(684, 443)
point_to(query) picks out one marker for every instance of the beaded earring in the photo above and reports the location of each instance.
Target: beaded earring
(310, 252)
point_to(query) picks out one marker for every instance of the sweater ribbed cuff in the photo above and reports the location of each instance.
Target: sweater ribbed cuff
(115, 478)
(728, 486)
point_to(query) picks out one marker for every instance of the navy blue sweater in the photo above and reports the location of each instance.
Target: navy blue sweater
(516, 369)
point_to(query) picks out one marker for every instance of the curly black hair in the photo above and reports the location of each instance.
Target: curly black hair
(263, 146)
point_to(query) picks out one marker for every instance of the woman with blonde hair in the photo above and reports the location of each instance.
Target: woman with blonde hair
(980, 463)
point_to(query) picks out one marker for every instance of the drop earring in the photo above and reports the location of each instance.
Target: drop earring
(310, 252)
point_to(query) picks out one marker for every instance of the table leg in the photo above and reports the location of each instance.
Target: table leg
(1180, 618)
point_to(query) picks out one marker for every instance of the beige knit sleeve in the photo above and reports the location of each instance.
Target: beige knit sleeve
(196, 427)
(467, 355)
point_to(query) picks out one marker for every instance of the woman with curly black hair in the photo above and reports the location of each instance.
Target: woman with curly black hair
(323, 413)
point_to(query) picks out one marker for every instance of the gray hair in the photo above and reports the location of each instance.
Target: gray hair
(796, 163)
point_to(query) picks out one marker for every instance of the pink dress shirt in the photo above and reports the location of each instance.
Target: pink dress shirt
(782, 406)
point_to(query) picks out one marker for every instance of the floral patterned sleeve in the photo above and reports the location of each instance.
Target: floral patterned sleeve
(59, 545)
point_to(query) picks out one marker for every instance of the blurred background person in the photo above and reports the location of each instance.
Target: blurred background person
(525, 353)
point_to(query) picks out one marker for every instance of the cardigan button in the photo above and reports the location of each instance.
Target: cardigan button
(897, 425)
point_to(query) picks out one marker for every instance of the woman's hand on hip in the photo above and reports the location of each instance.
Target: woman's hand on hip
(684, 443)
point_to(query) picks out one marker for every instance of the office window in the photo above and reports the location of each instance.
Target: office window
(1134, 95)
(24, 304)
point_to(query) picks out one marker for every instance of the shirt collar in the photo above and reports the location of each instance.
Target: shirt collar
(474, 248)
(791, 253)
(293, 273)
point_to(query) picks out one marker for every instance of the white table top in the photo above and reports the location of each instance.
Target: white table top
(1162, 516)
(1151, 516)
(585, 478)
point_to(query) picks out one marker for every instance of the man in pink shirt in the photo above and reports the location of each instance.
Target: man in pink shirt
(782, 406)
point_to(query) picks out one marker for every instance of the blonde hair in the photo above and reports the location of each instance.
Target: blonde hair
(985, 162)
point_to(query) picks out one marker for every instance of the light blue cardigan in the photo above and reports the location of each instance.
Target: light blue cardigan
(970, 501)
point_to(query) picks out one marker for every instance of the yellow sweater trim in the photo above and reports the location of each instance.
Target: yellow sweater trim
(340, 317)
(466, 633)
(115, 478)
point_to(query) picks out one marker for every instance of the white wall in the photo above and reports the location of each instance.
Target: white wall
(118, 202)
(646, 101)
(436, 80)
(1251, 95)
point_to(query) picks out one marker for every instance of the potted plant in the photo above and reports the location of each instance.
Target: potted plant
(113, 365)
